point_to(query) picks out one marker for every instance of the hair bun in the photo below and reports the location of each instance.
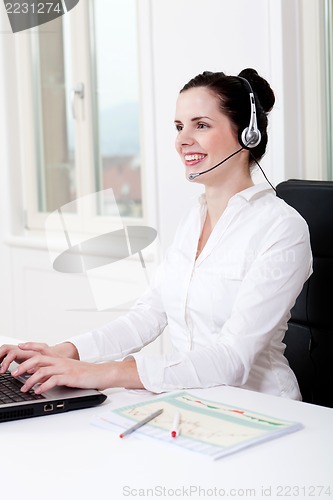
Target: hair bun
(261, 88)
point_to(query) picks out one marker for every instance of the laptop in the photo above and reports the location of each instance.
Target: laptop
(15, 404)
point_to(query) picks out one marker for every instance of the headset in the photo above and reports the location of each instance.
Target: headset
(249, 138)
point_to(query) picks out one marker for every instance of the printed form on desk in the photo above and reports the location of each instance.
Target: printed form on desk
(207, 427)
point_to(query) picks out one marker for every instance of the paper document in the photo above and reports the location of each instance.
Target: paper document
(205, 426)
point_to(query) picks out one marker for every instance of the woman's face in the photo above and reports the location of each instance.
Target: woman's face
(204, 134)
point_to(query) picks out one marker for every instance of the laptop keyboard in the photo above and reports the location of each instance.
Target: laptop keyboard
(10, 390)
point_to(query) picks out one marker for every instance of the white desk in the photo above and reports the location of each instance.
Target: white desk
(65, 457)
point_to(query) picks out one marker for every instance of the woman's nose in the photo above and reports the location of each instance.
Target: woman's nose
(184, 138)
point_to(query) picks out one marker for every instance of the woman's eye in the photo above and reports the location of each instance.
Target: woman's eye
(202, 125)
(179, 127)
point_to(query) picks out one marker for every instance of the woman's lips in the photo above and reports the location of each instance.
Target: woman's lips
(192, 159)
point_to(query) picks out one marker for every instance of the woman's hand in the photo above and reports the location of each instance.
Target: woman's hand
(22, 352)
(48, 372)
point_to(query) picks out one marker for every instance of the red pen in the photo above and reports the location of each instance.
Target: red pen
(175, 425)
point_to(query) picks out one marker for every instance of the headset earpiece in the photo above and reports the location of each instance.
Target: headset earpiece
(250, 137)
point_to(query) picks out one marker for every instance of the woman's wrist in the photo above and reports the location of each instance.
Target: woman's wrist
(124, 374)
(66, 349)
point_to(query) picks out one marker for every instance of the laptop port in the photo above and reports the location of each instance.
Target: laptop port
(60, 406)
(48, 407)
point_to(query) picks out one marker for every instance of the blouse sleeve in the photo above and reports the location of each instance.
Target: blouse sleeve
(127, 334)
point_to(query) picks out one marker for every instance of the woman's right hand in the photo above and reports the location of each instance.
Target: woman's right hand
(24, 351)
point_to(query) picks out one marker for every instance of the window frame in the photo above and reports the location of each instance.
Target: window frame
(328, 42)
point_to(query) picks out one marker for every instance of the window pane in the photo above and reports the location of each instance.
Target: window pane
(53, 121)
(116, 82)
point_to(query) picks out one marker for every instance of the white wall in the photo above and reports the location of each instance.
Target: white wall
(187, 37)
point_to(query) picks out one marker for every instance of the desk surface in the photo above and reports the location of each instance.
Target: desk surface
(65, 457)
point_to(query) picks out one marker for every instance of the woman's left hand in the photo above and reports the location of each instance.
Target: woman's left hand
(48, 372)
(52, 371)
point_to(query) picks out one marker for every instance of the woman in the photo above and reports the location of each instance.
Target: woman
(226, 285)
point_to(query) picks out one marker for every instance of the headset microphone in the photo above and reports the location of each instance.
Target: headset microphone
(249, 138)
(193, 176)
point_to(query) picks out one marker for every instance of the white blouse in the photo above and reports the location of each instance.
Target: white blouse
(227, 310)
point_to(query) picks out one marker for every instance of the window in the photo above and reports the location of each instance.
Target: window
(86, 134)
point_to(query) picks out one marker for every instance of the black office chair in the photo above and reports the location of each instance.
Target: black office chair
(309, 338)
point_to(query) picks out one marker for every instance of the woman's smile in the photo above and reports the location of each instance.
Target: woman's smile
(192, 159)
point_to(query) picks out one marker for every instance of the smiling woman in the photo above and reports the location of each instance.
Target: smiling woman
(227, 284)
(48, 306)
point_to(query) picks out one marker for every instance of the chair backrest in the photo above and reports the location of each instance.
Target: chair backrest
(309, 338)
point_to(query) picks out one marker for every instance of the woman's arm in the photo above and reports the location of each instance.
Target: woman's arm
(128, 334)
(267, 293)
(49, 372)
